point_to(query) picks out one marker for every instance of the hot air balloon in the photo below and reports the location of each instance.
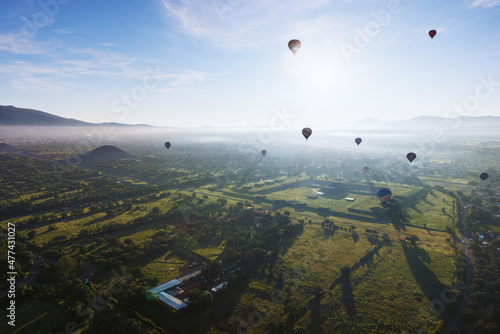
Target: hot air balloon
(167, 145)
(411, 156)
(358, 140)
(432, 33)
(294, 45)
(384, 194)
(264, 152)
(483, 176)
(366, 169)
(306, 132)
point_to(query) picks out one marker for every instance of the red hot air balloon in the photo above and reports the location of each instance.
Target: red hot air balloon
(432, 33)
(411, 156)
(306, 132)
(365, 169)
(294, 45)
(483, 176)
(358, 141)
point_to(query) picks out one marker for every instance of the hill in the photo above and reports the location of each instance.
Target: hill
(6, 148)
(10, 115)
(106, 152)
(13, 116)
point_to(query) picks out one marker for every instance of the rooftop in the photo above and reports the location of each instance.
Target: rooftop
(165, 286)
(172, 302)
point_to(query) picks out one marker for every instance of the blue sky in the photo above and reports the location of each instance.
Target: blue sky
(226, 62)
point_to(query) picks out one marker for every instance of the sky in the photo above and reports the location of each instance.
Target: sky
(227, 63)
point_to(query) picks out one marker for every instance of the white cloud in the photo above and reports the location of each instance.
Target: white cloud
(19, 43)
(485, 3)
(107, 44)
(188, 77)
(238, 23)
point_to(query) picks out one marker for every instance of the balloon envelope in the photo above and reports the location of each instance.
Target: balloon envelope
(366, 169)
(411, 156)
(432, 33)
(294, 45)
(306, 132)
(358, 140)
(264, 152)
(167, 145)
(384, 194)
(483, 176)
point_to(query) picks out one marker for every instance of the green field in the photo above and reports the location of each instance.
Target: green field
(299, 288)
(397, 284)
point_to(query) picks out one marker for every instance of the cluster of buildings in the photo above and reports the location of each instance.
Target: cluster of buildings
(174, 292)
(487, 200)
(167, 293)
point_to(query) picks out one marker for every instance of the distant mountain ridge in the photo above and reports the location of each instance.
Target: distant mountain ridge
(464, 124)
(6, 148)
(13, 116)
(10, 115)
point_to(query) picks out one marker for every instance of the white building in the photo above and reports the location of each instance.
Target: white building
(172, 302)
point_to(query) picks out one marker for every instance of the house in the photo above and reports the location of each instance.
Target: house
(172, 302)
(165, 286)
(218, 287)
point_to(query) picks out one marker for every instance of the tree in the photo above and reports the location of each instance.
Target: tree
(205, 299)
(194, 295)
(345, 272)
(66, 266)
(412, 239)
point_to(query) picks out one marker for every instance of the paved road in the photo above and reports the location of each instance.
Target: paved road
(455, 321)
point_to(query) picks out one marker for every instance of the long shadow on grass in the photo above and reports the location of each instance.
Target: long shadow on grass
(316, 321)
(370, 213)
(288, 240)
(428, 282)
(417, 210)
(426, 201)
(348, 297)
